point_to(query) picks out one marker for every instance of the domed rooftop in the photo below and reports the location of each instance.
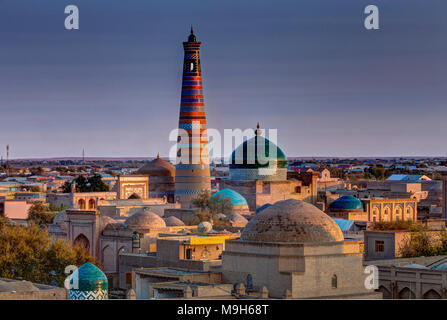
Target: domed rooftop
(292, 221)
(347, 202)
(173, 222)
(60, 221)
(104, 221)
(204, 227)
(90, 278)
(441, 266)
(246, 156)
(238, 219)
(265, 206)
(192, 37)
(235, 198)
(157, 167)
(144, 219)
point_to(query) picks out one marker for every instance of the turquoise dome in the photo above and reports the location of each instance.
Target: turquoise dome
(347, 202)
(245, 156)
(236, 198)
(265, 206)
(442, 266)
(90, 278)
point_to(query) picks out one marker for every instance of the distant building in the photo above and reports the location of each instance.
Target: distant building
(171, 283)
(15, 210)
(387, 244)
(414, 281)
(408, 177)
(80, 200)
(161, 178)
(373, 210)
(132, 187)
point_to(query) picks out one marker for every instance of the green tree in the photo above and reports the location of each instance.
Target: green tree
(220, 205)
(418, 244)
(66, 188)
(40, 214)
(35, 189)
(212, 205)
(30, 253)
(92, 184)
(201, 201)
(53, 207)
(95, 184)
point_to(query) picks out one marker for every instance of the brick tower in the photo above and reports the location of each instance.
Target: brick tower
(192, 173)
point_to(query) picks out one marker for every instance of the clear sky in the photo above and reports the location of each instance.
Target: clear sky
(308, 68)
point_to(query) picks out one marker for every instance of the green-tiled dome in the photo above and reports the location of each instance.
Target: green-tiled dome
(90, 278)
(347, 202)
(245, 156)
(235, 198)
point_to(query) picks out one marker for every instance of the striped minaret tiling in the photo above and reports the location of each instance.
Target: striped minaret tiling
(192, 174)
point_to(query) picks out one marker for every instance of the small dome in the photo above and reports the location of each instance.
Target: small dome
(114, 226)
(157, 168)
(173, 222)
(60, 218)
(145, 219)
(204, 227)
(441, 266)
(235, 198)
(89, 278)
(265, 206)
(292, 221)
(347, 202)
(237, 219)
(105, 221)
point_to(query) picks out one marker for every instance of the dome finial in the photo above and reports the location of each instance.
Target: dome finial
(258, 131)
(192, 37)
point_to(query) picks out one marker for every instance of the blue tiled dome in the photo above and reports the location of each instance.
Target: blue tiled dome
(90, 278)
(442, 266)
(265, 206)
(236, 198)
(347, 202)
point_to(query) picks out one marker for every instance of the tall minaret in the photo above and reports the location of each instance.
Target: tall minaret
(192, 173)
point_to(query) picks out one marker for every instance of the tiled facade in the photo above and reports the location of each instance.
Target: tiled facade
(192, 174)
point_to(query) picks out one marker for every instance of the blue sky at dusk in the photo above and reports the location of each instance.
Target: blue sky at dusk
(308, 68)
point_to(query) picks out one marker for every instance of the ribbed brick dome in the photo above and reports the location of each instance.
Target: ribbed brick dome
(292, 221)
(145, 219)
